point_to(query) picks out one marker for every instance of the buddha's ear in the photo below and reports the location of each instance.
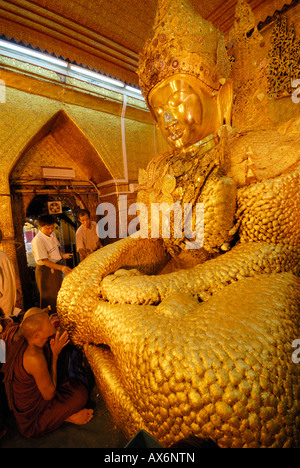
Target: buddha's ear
(225, 103)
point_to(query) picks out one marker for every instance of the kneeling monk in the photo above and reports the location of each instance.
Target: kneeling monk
(38, 404)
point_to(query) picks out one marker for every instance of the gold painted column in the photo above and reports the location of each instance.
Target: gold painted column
(7, 243)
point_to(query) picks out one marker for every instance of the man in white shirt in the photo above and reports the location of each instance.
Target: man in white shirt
(87, 240)
(49, 269)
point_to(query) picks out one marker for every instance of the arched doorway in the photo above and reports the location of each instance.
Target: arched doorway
(59, 145)
(27, 207)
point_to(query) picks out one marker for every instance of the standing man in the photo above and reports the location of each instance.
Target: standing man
(8, 290)
(50, 268)
(87, 240)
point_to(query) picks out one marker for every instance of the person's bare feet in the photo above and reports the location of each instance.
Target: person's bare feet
(82, 417)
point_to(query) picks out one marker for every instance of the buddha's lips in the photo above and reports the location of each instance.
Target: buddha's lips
(175, 134)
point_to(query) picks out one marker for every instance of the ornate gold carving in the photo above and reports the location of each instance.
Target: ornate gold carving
(247, 50)
(179, 45)
(284, 59)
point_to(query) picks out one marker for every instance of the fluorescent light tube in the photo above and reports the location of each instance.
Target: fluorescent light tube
(33, 53)
(23, 53)
(96, 76)
(133, 90)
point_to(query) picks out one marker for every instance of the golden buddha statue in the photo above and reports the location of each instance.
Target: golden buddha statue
(197, 339)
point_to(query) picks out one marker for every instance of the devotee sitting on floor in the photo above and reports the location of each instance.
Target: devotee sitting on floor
(38, 403)
(87, 240)
(10, 332)
(48, 257)
(9, 336)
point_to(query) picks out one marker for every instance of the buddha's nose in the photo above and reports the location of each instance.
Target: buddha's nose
(169, 117)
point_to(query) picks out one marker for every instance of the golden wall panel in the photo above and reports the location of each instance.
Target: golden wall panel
(28, 129)
(23, 115)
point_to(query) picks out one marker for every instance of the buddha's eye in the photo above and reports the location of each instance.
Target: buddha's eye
(178, 98)
(158, 110)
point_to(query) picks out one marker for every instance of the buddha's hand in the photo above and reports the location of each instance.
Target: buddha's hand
(202, 281)
(80, 291)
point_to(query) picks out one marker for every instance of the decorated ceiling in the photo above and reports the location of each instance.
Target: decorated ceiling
(105, 35)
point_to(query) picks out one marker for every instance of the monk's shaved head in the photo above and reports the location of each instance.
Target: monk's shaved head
(34, 311)
(33, 324)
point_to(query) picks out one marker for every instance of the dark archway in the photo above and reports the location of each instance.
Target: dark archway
(59, 144)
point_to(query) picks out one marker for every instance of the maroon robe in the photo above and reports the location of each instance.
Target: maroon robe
(34, 415)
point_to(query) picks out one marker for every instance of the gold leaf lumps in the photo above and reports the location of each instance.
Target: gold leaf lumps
(188, 384)
(168, 184)
(270, 210)
(178, 168)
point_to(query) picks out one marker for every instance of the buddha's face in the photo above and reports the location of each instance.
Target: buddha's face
(184, 109)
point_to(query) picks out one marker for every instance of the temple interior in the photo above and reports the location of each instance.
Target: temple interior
(79, 129)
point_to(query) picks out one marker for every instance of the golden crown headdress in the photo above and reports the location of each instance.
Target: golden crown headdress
(182, 42)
